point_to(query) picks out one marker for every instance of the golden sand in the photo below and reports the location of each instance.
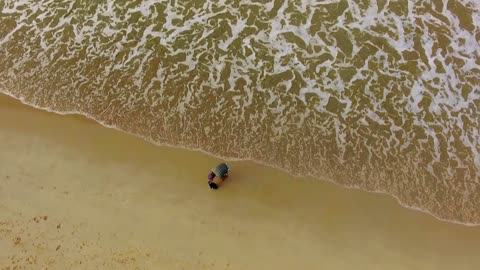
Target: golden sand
(76, 195)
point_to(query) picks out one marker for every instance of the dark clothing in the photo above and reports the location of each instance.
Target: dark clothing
(221, 170)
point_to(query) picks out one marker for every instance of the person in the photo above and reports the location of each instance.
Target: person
(218, 175)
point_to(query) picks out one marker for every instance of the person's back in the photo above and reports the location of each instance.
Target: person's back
(218, 175)
(221, 170)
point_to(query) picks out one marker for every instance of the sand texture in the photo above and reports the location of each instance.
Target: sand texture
(76, 195)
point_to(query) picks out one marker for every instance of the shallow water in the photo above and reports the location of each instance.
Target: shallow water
(378, 95)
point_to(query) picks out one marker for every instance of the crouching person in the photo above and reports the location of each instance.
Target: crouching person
(218, 175)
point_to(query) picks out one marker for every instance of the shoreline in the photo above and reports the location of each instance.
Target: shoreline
(77, 195)
(88, 117)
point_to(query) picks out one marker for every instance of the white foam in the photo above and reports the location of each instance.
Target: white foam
(236, 29)
(459, 60)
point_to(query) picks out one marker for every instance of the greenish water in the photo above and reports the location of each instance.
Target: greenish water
(378, 95)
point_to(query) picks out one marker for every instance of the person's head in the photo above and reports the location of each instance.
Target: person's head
(213, 185)
(211, 175)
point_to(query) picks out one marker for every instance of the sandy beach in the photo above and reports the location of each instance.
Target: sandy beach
(76, 195)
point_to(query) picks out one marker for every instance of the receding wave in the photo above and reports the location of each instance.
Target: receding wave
(379, 95)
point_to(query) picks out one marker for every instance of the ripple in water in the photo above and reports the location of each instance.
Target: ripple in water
(378, 95)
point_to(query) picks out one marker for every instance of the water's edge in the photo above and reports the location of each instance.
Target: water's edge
(90, 117)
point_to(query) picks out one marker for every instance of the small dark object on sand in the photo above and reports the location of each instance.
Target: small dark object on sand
(221, 172)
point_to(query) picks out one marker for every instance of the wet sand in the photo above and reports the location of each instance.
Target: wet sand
(76, 195)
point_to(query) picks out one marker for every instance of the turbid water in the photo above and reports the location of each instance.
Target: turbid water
(382, 96)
